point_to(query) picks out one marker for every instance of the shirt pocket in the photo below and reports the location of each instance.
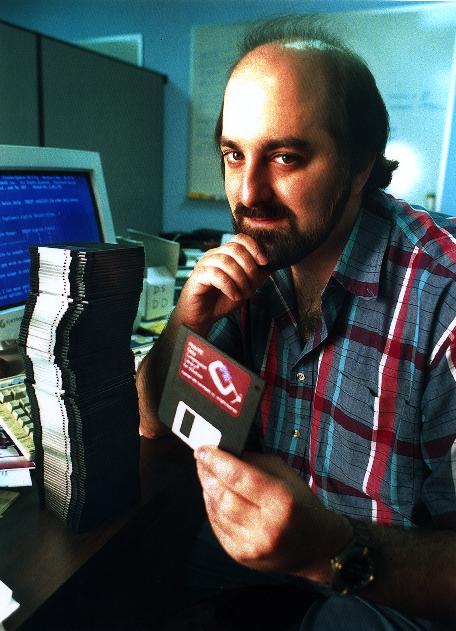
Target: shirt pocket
(368, 444)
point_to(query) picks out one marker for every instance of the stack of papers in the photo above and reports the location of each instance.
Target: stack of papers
(14, 465)
(80, 377)
(11, 478)
(7, 603)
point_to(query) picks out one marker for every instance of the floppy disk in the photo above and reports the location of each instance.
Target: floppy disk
(208, 398)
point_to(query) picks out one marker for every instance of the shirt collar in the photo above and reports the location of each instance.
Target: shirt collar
(278, 285)
(359, 266)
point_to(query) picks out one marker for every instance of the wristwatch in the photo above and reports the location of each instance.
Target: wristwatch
(354, 567)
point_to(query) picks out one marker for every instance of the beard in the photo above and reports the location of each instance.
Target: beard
(288, 246)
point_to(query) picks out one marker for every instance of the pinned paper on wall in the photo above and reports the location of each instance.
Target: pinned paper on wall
(127, 48)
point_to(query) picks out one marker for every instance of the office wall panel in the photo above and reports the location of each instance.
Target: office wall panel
(97, 103)
(18, 87)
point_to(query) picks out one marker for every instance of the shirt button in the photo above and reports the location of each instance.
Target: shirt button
(300, 376)
(296, 433)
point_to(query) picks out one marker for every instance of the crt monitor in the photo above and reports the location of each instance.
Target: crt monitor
(47, 196)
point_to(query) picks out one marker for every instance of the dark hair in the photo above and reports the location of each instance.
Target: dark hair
(357, 117)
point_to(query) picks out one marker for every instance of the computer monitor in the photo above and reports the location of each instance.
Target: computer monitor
(47, 196)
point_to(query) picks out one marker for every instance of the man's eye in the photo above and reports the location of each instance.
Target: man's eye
(286, 158)
(232, 156)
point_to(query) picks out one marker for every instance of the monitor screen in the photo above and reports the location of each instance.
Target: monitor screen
(40, 208)
(46, 196)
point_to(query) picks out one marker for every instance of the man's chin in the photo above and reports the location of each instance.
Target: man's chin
(276, 263)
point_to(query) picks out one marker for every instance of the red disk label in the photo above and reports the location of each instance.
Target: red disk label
(215, 376)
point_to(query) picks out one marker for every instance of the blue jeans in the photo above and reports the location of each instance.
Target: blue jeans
(351, 612)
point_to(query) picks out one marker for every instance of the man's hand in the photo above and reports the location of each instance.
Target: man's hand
(267, 518)
(221, 281)
(265, 515)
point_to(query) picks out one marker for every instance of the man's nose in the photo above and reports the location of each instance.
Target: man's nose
(255, 186)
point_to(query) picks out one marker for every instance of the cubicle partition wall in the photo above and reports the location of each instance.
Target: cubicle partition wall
(57, 94)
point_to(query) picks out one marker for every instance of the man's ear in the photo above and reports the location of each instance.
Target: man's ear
(359, 179)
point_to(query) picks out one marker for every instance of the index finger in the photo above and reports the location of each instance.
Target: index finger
(251, 246)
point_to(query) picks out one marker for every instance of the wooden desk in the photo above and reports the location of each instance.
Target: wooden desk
(40, 558)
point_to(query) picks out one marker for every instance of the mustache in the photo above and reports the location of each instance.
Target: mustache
(270, 210)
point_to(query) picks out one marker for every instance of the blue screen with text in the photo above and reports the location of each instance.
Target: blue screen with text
(39, 209)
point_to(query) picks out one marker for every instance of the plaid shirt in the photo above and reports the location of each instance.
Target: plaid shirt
(365, 410)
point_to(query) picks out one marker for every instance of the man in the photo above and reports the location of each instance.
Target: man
(344, 301)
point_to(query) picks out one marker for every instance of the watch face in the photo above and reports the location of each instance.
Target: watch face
(353, 570)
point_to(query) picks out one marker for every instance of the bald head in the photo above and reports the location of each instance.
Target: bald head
(284, 78)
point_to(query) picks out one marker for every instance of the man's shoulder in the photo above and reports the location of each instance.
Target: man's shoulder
(415, 228)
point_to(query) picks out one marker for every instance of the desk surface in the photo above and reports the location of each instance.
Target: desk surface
(39, 554)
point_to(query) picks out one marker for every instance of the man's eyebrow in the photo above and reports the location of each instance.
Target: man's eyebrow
(226, 142)
(292, 142)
